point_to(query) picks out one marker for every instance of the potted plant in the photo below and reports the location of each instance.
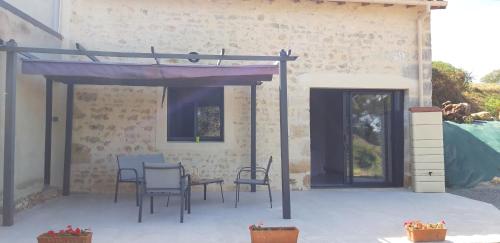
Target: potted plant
(261, 234)
(420, 232)
(68, 235)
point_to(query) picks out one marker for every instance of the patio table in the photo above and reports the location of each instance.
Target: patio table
(205, 182)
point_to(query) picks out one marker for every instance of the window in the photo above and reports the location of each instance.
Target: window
(195, 112)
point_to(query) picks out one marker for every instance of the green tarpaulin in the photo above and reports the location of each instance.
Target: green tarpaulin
(471, 153)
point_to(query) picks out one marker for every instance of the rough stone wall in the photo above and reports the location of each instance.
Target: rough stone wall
(353, 44)
(109, 121)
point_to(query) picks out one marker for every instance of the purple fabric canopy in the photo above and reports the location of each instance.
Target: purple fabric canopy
(72, 71)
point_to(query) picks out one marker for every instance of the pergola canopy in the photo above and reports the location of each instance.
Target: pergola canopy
(97, 73)
(148, 74)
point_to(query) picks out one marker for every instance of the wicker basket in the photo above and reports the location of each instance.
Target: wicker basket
(275, 235)
(84, 238)
(426, 235)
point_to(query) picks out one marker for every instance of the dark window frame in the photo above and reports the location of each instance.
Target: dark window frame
(172, 138)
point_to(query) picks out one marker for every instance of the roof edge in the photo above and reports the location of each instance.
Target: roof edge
(434, 4)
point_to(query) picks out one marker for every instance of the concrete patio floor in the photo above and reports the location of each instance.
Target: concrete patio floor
(329, 215)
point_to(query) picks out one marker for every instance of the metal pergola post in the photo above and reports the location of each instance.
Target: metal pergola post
(253, 135)
(48, 131)
(9, 137)
(68, 139)
(285, 176)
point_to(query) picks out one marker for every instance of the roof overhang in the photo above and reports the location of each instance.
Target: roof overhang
(99, 73)
(434, 4)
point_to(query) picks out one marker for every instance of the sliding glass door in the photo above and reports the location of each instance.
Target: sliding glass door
(356, 138)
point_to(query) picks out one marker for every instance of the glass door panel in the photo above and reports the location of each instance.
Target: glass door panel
(369, 122)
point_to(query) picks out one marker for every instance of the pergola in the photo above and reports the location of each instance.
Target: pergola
(96, 72)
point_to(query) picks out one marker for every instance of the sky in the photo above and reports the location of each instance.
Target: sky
(467, 35)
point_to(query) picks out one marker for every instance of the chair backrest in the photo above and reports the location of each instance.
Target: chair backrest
(268, 167)
(162, 176)
(135, 162)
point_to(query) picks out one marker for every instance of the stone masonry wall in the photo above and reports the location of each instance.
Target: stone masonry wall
(109, 121)
(339, 46)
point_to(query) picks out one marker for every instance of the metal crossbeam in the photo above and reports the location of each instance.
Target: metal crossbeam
(144, 54)
(28, 55)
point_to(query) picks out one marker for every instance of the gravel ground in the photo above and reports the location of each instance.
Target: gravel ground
(486, 192)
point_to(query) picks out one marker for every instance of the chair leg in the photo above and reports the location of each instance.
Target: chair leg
(239, 189)
(151, 206)
(140, 209)
(185, 201)
(270, 197)
(116, 188)
(236, 196)
(189, 200)
(221, 192)
(137, 193)
(182, 207)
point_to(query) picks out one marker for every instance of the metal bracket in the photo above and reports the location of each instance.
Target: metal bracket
(83, 50)
(193, 60)
(11, 42)
(154, 55)
(163, 96)
(223, 51)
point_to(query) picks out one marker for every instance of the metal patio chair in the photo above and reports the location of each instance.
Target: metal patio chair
(130, 170)
(165, 180)
(259, 182)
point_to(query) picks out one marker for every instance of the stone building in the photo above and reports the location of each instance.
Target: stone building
(362, 64)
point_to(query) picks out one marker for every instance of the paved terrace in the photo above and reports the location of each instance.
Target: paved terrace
(333, 215)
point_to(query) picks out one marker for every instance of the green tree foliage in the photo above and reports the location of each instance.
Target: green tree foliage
(492, 105)
(493, 77)
(366, 158)
(448, 83)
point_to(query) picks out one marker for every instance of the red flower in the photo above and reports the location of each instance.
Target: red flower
(442, 221)
(69, 230)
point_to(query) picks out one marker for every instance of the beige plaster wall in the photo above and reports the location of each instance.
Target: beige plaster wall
(339, 46)
(30, 116)
(44, 11)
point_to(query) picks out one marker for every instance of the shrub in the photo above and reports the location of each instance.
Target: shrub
(448, 83)
(493, 77)
(492, 105)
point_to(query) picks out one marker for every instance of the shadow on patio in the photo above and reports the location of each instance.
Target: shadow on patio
(330, 215)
